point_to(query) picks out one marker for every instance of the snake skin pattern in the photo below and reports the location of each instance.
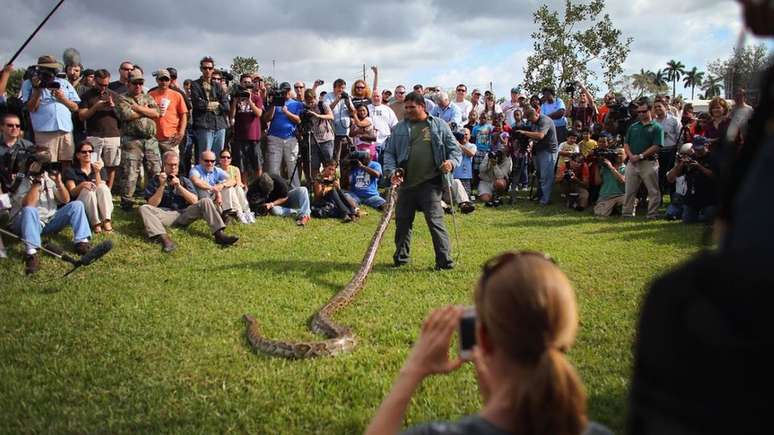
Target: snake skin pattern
(339, 338)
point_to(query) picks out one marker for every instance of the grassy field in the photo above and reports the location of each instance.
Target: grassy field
(148, 342)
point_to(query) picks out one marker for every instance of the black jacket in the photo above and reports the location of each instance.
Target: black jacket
(202, 118)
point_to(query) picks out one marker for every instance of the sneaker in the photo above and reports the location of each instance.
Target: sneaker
(250, 217)
(224, 239)
(31, 264)
(302, 221)
(489, 204)
(82, 248)
(167, 245)
(243, 218)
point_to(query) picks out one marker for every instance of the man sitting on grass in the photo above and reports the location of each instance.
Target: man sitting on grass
(215, 183)
(172, 201)
(270, 194)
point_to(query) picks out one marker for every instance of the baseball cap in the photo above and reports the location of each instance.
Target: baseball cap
(172, 72)
(285, 86)
(699, 142)
(162, 73)
(135, 74)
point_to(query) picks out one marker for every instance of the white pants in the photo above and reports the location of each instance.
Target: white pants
(98, 204)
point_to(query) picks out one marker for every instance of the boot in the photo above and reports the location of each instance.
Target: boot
(223, 239)
(31, 263)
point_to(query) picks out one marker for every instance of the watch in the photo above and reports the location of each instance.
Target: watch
(640, 156)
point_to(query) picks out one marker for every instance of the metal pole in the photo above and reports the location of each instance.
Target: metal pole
(18, 52)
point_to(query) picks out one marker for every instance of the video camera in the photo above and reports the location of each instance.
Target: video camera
(607, 154)
(356, 157)
(572, 87)
(26, 163)
(244, 91)
(496, 156)
(47, 77)
(277, 96)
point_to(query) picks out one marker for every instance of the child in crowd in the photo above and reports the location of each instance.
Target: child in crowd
(482, 134)
(586, 144)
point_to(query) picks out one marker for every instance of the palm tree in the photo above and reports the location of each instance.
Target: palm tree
(712, 86)
(674, 70)
(642, 80)
(693, 78)
(658, 79)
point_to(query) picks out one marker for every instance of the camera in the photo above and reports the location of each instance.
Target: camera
(244, 91)
(345, 96)
(572, 87)
(569, 173)
(356, 157)
(495, 156)
(277, 96)
(467, 333)
(521, 141)
(602, 155)
(327, 181)
(47, 78)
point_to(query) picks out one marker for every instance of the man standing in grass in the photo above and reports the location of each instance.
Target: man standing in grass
(643, 141)
(424, 147)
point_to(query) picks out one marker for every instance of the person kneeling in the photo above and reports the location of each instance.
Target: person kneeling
(700, 201)
(494, 172)
(269, 194)
(329, 200)
(612, 181)
(525, 319)
(172, 201)
(34, 212)
(364, 178)
(573, 177)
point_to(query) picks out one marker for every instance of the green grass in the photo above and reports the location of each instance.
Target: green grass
(148, 342)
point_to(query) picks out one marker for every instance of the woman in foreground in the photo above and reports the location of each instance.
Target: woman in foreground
(526, 319)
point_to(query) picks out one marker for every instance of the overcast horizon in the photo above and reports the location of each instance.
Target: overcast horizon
(437, 43)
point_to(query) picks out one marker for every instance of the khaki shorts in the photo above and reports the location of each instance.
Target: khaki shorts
(58, 143)
(107, 149)
(605, 206)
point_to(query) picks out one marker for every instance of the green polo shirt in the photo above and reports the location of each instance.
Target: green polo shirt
(641, 137)
(421, 164)
(610, 185)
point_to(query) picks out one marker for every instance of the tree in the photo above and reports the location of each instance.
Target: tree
(712, 86)
(14, 83)
(692, 79)
(244, 65)
(675, 69)
(565, 47)
(659, 79)
(742, 69)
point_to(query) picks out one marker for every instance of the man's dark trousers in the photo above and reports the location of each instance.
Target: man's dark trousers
(426, 198)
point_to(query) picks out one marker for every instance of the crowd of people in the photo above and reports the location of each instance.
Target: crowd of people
(228, 148)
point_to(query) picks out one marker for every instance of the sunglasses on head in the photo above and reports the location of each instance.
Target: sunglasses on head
(494, 264)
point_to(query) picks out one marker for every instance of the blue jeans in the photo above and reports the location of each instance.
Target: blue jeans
(209, 140)
(297, 204)
(692, 214)
(27, 224)
(545, 162)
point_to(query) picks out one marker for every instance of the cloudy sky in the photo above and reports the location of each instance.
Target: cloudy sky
(439, 42)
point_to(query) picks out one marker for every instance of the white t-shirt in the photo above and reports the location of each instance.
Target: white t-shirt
(465, 107)
(384, 120)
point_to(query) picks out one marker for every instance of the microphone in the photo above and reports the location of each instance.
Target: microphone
(94, 254)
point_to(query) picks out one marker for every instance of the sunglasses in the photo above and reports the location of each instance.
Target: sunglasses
(208, 161)
(400, 93)
(207, 67)
(163, 79)
(359, 87)
(13, 125)
(298, 87)
(226, 157)
(126, 69)
(494, 264)
(86, 151)
(138, 82)
(461, 90)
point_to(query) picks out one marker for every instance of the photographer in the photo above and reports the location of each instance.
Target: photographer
(520, 152)
(573, 178)
(317, 120)
(51, 101)
(284, 114)
(172, 201)
(584, 109)
(364, 175)
(642, 143)
(329, 200)
(494, 171)
(526, 319)
(246, 112)
(700, 202)
(612, 181)
(97, 108)
(544, 150)
(13, 150)
(666, 155)
(425, 150)
(343, 110)
(36, 211)
(269, 194)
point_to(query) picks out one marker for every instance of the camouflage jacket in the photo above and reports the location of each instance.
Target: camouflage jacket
(141, 128)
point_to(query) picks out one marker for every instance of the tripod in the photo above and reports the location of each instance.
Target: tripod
(299, 162)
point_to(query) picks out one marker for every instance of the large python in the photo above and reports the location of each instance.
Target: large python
(339, 338)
